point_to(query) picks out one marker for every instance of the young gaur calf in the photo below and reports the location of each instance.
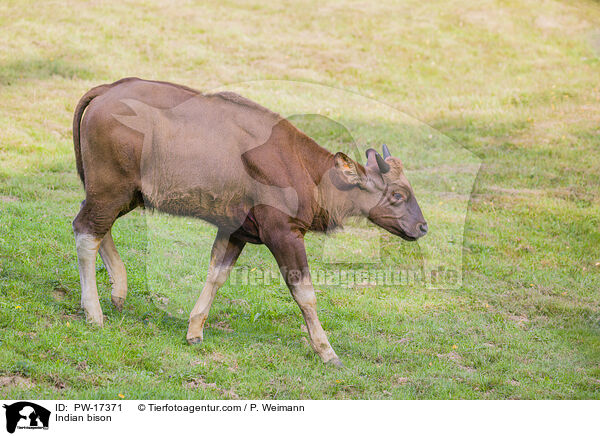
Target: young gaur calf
(233, 163)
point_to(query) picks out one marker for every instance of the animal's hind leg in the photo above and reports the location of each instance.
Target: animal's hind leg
(87, 248)
(90, 225)
(225, 251)
(116, 270)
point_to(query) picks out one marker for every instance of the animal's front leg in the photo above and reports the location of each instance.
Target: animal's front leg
(290, 254)
(225, 251)
(306, 299)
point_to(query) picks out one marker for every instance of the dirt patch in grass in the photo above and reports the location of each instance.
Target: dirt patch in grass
(28, 335)
(398, 381)
(57, 383)
(240, 302)
(521, 320)
(228, 361)
(200, 383)
(221, 325)
(15, 381)
(456, 358)
(59, 292)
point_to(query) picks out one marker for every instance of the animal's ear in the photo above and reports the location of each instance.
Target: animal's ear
(370, 153)
(348, 170)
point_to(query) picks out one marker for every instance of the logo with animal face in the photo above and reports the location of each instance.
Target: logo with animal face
(26, 415)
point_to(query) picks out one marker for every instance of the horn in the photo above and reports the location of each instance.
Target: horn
(386, 152)
(384, 167)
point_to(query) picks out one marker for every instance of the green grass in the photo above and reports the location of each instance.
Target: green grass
(514, 85)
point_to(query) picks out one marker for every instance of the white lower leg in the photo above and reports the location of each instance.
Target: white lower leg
(116, 269)
(200, 311)
(306, 299)
(223, 255)
(87, 248)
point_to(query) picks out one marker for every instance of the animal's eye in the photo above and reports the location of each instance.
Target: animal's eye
(398, 197)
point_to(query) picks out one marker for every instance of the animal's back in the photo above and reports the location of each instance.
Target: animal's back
(185, 149)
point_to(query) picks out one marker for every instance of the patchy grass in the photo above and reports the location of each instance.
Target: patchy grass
(516, 86)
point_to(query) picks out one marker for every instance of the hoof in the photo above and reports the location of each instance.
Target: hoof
(194, 341)
(94, 318)
(335, 362)
(118, 302)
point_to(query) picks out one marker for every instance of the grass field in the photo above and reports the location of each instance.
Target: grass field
(516, 83)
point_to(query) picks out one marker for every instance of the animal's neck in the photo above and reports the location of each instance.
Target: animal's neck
(333, 206)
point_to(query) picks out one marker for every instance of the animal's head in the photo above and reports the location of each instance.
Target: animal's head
(382, 192)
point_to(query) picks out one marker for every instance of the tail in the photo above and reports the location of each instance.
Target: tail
(83, 103)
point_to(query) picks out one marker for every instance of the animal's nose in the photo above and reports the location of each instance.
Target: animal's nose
(422, 228)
